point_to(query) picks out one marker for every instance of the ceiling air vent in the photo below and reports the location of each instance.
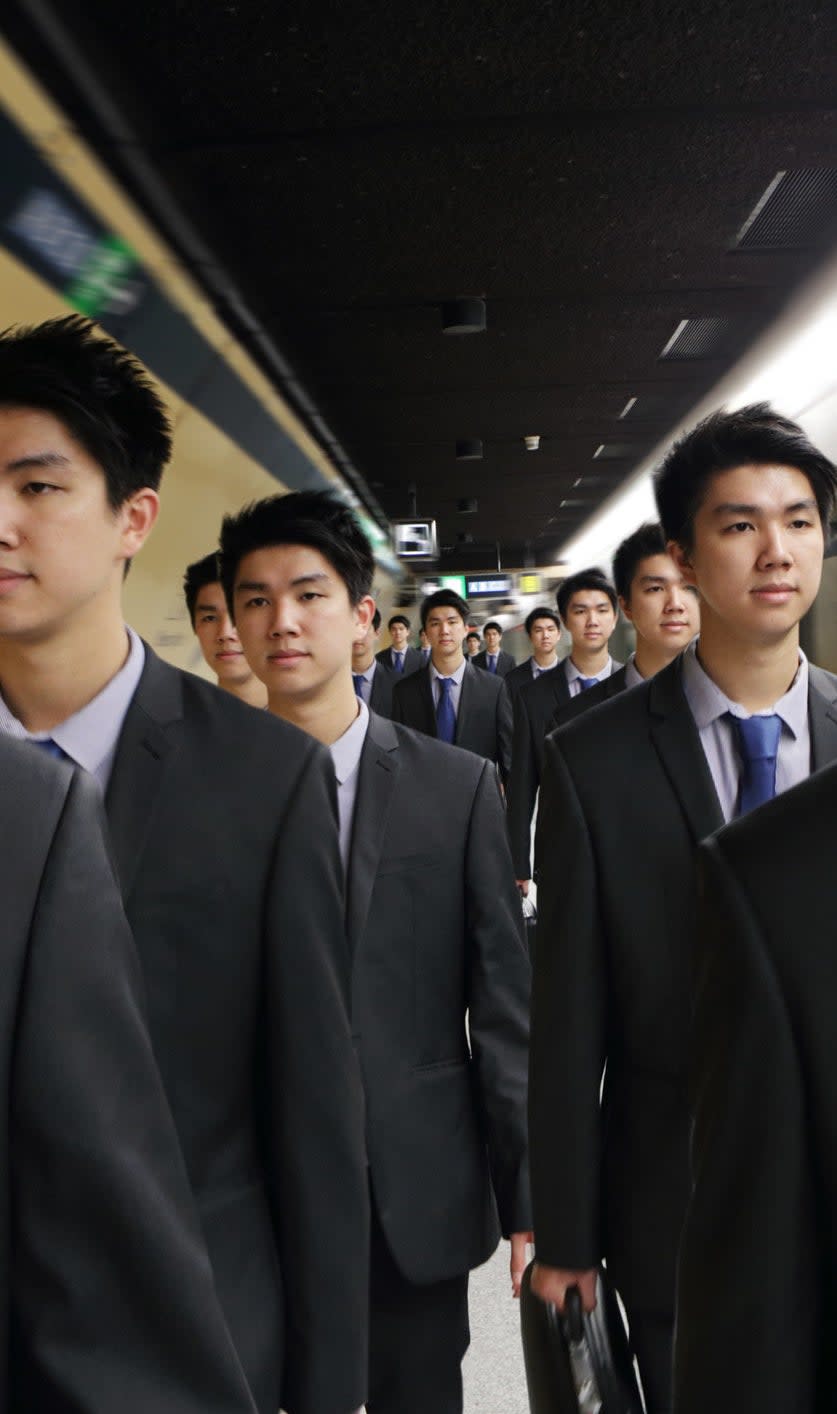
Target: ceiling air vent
(797, 210)
(696, 338)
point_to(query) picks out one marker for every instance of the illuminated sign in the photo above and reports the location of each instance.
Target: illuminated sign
(529, 583)
(495, 586)
(414, 539)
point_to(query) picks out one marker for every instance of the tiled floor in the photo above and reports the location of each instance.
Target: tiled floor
(493, 1368)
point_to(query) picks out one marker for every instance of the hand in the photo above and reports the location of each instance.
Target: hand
(520, 1241)
(523, 885)
(552, 1284)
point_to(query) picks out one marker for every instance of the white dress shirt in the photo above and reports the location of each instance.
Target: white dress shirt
(710, 706)
(90, 737)
(345, 753)
(574, 676)
(538, 671)
(456, 678)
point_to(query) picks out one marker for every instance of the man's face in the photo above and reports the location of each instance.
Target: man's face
(472, 646)
(663, 610)
(590, 620)
(295, 621)
(445, 629)
(62, 547)
(492, 638)
(757, 553)
(400, 635)
(217, 637)
(363, 651)
(544, 635)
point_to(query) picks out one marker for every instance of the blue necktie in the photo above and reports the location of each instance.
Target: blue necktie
(399, 661)
(358, 680)
(758, 743)
(51, 748)
(445, 715)
(492, 663)
(587, 682)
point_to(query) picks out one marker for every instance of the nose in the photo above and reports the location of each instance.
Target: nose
(675, 599)
(284, 618)
(9, 532)
(226, 631)
(775, 550)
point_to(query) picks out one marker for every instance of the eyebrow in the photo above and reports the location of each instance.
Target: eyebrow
(206, 608)
(260, 585)
(653, 579)
(739, 509)
(38, 459)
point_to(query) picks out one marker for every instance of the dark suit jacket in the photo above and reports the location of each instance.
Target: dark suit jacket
(535, 708)
(105, 1288)
(380, 698)
(759, 1253)
(627, 796)
(412, 661)
(222, 821)
(505, 663)
(519, 677)
(483, 721)
(593, 697)
(435, 928)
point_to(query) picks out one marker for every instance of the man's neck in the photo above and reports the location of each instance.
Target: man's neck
(548, 661)
(753, 675)
(590, 664)
(252, 691)
(46, 682)
(363, 667)
(449, 666)
(649, 660)
(326, 716)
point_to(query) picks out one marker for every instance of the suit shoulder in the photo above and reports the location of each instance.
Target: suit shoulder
(255, 728)
(441, 760)
(31, 775)
(821, 679)
(791, 830)
(621, 717)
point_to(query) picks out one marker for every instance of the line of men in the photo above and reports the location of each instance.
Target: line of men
(252, 1148)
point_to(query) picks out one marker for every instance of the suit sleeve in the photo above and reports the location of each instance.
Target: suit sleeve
(569, 1028)
(113, 1299)
(521, 789)
(498, 1003)
(398, 703)
(505, 732)
(316, 1123)
(748, 1300)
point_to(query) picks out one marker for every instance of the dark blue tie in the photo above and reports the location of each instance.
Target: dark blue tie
(587, 682)
(492, 663)
(445, 715)
(399, 661)
(758, 743)
(51, 748)
(358, 680)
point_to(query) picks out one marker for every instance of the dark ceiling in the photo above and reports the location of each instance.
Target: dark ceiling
(586, 169)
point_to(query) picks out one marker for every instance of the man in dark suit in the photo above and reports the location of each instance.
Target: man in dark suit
(492, 658)
(758, 1267)
(215, 632)
(450, 699)
(108, 1297)
(743, 501)
(471, 646)
(424, 844)
(400, 658)
(222, 828)
(543, 628)
(372, 681)
(664, 611)
(588, 609)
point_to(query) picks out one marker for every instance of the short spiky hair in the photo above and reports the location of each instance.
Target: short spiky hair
(541, 612)
(492, 623)
(645, 542)
(751, 436)
(315, 518)
(398, 619)
(444, 599)
(99, 391)
(197, 577)
(585, 579)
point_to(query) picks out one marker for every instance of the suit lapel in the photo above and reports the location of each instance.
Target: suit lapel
(138, 769)
(425, 688)
(378, 774)
(466, 695)
(677, 742)
(822, 717)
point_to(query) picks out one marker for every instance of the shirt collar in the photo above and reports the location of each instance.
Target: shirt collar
(369, 672)
(457, 676)
(90, 735)
(573, 672)
(708, 703)
(345, 751)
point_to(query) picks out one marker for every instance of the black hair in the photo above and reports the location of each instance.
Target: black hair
(542, 612)
(492, 623)
(196, 578)
(592, 579)
(750, 436)
(376, 620)
(473, 633)
(398, 619)
(444, 599)
(318, 519)
(99, 391)
(645, 542)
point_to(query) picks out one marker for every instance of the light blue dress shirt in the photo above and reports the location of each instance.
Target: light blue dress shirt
(457, 683)
(345, 753)
(574, 676)
(90, 737)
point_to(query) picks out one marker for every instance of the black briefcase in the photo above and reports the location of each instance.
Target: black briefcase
(578, 1363)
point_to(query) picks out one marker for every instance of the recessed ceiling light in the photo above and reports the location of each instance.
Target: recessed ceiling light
(463, 316)
(532, 442)
(626, 409)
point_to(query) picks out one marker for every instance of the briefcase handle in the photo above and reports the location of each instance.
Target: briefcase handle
(574, 1314)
